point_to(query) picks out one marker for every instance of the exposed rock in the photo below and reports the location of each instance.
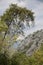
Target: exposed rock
(31, 43)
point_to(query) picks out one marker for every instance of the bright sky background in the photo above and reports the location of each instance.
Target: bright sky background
(35, 5)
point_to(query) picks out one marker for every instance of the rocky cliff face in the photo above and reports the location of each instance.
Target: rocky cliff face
(31, 43)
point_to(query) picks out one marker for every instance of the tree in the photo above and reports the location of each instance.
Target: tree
(15, 13)
(17, 16)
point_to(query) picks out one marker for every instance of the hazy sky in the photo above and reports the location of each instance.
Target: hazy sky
(35, 5)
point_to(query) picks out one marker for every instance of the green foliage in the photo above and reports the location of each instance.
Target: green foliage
(37, 57)
(3, 26)
(19, 58)
(16, 12)
(13, 14)
(4, 59)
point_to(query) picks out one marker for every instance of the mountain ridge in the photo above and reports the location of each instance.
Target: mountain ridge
(31, 43)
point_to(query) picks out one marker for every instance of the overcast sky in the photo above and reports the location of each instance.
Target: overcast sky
(35, 5)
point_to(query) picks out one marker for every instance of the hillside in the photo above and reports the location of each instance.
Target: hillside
(31, 43)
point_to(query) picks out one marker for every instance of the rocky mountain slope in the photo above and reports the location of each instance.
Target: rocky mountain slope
(31, 43)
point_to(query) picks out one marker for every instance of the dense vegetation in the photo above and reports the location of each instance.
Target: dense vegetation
(17, 16)
(22, 59)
